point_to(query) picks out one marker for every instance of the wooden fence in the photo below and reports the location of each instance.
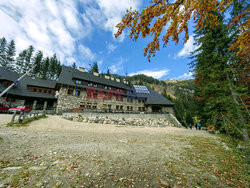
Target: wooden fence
(22, 116)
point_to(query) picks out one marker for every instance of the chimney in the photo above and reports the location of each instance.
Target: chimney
(81, 69)
(107, 77)
(95, 73)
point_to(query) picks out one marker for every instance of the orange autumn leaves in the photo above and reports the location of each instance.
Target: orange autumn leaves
(175, 17)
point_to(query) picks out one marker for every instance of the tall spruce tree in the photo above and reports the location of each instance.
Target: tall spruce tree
(28, 59)
(20, 62)
(212, 66)
(52, 67)
(108, 73)
(58, 68)
(10, 55)
(45, 68)
(37, 62)
(94, 68)
(74, 65)
(3, 48)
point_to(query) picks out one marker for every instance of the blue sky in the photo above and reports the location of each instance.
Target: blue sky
(82, 31)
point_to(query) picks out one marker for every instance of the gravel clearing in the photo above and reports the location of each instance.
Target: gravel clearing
(61, 153)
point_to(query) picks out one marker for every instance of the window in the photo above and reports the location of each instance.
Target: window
(44, 91)
(70, 91)
(131, 108)
(77, 93)
(128, 108)
(109, 106)
(94, 106)
(143, 109)
(82, 105)
(104, 106)
(105, 87)
(121, 107)
(34, 89)
(139, 108)
(88, 105)
(129, 100)
(49, 91)
(95, 85)
(78, 82)
(40, 91)
(90, 84)
(117, 107)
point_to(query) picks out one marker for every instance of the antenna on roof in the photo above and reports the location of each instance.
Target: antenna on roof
(89, 68)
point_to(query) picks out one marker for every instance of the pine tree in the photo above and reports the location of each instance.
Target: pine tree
(45, 68)
(28, 59)
(74, 66)
(20, 62)
(37, 62)
(52, 67)
(3, 48)
(108, 73)
(94, 68)
(212, 66)
(10, 55)
(58, 69)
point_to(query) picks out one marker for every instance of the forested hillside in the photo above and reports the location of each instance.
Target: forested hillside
(178, 91)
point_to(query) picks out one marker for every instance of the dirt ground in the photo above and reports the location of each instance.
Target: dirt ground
(61, 153)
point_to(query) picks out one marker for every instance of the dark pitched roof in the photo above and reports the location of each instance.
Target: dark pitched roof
(154, 98)
(68, 73)
(8, 75)
(21, 89)
(34, 81)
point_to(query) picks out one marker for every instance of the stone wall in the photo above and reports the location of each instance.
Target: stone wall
(66, 102)
(17, 102)
(150, 120)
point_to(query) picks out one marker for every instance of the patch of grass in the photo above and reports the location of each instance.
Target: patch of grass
(209, 163)
(26, 122)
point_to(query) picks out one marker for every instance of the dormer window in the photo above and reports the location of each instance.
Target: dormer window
(78, 82)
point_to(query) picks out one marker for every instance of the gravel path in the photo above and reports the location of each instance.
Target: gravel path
(5, 118)
(62, 153)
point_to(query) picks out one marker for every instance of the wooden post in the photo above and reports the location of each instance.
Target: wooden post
(13, 117)
(19, 118)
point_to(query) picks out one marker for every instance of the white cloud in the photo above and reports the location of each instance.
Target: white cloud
(189, 47)
(86, 53)
(186, 76)
(57, 26)
(111, 47)
(49, 25)
(154, 73)
(116, 67)
(108, 13)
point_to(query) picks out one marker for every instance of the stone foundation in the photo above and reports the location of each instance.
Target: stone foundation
(149, 120)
